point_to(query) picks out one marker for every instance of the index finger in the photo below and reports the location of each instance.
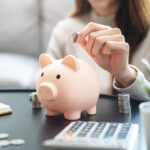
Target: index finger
(92, 27)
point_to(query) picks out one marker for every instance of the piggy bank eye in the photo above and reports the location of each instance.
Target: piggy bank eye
(58, 76)
(42, 74)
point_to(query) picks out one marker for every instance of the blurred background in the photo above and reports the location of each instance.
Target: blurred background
(25, 28)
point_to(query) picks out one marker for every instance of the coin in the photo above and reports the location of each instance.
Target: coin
(3, 135)
(30, 97)
(33, 96)
(74, 37)
(36, 105)
(35, 101)
(17, 142)
(4, 143)
(124, 103)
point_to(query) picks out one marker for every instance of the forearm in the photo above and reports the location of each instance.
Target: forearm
(127, 77)
(137, 89)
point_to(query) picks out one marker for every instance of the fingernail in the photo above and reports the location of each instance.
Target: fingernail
(81, 41)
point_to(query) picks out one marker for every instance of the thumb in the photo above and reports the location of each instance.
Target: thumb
(81, 41)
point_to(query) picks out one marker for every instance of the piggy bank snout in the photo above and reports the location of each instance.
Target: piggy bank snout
(47, 91)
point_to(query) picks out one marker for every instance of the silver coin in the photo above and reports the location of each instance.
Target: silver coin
(36, 105)
(33, 96)
(30, 97)
(3, 135)
(73, 37)
(4, 143)
(124, 103)
(36, 101)
(17, 142)
(124, 110)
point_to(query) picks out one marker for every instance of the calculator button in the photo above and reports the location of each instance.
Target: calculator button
(122, 136)
(124, 131)
(86, 129)
(68, 134)
(98, 130)
(94, 135)
(75, 127)
(111, 130)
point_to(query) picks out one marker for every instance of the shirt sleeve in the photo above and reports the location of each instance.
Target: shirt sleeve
(139, 89)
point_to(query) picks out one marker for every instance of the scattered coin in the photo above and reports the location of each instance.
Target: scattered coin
(4, 143)
(124, 103)
(73, 37)
(3, 135)
(17, 142)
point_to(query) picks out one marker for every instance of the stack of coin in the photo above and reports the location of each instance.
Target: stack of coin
(35, 101)
(124, 103)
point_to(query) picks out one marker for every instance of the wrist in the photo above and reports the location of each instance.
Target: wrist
(127, 77)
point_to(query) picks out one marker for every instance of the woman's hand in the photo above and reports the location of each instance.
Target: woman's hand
(108, 48)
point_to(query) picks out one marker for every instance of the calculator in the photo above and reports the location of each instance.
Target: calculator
(96, 135)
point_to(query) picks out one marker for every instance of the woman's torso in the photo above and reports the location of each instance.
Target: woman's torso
(66, 27)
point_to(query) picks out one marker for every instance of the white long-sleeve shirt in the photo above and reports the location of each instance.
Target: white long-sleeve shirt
(60, 46)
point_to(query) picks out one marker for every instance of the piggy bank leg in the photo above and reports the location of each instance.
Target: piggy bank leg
(49, 112)
(91, 110)
(72, 115)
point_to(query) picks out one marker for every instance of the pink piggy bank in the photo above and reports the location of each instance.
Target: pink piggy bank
(68, 86)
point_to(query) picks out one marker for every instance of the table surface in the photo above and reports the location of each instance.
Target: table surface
(34, 127)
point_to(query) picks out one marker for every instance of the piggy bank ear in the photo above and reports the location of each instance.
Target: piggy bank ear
(71, 62)
(45, 60)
